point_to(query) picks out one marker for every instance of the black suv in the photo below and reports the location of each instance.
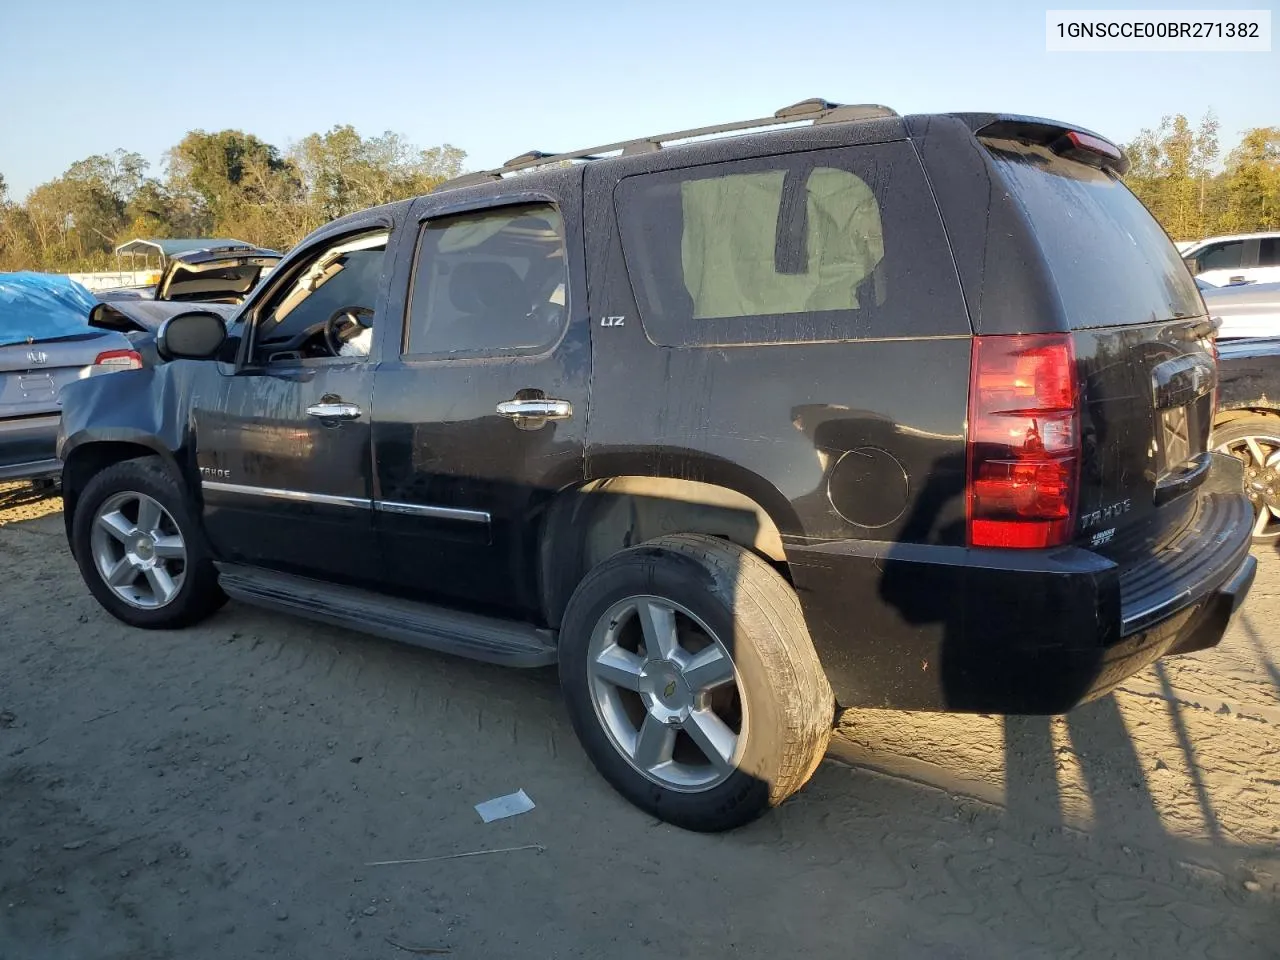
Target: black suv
(904, 412)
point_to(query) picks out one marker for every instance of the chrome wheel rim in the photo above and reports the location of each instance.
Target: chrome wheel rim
(138, 550)
(667, 693)
(1261, 458)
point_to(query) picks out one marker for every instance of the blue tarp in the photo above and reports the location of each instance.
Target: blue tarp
(42, 306)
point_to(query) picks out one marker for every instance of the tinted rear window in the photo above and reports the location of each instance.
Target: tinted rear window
(1111, 261)
(820, 245)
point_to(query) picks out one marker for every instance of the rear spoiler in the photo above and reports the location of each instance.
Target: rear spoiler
(146, 316)
(1077, 143)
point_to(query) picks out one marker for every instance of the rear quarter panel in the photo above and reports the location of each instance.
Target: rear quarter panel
(852, 438)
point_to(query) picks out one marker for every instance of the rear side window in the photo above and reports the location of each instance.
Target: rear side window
(1111, 262)
(492, 282)
(1269, 252)
(825, 245)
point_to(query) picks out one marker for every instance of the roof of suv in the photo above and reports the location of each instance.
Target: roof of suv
(883, 122)
(816, 110)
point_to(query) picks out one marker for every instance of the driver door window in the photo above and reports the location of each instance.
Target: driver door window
(326, 307)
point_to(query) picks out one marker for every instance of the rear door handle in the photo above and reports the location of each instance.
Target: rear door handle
(541, 409)
(334, 411)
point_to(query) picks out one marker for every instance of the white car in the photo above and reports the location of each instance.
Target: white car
(1239, 258)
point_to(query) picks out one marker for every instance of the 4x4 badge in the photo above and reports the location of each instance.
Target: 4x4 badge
(612, 321)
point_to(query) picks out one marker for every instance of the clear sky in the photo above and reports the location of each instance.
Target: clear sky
(79, 77)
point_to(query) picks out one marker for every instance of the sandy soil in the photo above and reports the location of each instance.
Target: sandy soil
(219, 793)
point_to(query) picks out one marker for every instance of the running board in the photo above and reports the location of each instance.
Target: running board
(490, 639)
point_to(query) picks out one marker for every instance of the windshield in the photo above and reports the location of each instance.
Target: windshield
(1111, 262)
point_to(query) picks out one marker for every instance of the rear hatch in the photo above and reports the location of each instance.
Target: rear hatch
(207, 277)
(1145, 364)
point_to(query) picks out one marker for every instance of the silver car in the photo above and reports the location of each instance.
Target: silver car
(1245, 310)
(46, 343)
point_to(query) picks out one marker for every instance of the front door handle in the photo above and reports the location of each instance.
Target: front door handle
(339, 410)
(541, 409)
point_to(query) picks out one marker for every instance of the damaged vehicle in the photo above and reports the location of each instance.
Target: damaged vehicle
(204, 271)
(45, 344)
(733, 426)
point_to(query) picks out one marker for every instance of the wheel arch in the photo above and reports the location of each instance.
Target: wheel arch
(84, 457)
(585, 525)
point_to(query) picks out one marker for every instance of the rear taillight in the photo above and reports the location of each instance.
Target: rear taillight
(1024, 441)
(119, 360)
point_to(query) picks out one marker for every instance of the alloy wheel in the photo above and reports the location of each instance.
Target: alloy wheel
(667, 693)
(138, 550)
(1261, 458)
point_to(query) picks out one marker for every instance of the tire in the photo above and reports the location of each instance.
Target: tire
(784, 703)
(1244, 436)
(119, 492)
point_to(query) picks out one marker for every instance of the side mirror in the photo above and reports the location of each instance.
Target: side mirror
(191, 336)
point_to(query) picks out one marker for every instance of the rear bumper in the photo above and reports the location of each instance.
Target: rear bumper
(28, 448)
(922, 627)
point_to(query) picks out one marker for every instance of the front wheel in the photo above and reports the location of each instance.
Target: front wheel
(1254, 440)
(140, 549)
(692, 683)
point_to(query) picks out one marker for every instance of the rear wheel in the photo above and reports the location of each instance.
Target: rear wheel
(692, 683)
(140, 550)
(1254, 440)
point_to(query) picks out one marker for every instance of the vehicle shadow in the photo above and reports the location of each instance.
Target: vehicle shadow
(1091, 746)
(1259, 650)
(24, 493)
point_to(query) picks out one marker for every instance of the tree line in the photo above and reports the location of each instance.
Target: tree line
(232, 184)
(223, 184)
(1179, 172)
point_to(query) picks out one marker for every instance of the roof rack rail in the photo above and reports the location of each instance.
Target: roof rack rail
(816, 110)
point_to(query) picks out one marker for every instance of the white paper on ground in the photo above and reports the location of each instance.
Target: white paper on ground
(501, 807)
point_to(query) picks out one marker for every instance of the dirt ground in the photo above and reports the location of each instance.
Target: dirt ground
(221, 792)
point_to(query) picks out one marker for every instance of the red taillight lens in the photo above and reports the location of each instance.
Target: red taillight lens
(119, 360)
(1024, 441)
